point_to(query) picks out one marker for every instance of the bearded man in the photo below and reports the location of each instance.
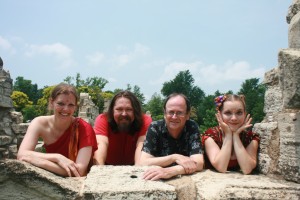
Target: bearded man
(121, 131)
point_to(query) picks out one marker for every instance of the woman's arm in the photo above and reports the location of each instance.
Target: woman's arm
(56, 163)
(199, 160)
(101, 153)
(219, 158)
(246, 157)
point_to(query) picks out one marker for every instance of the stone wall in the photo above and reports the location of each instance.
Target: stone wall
(11, 127)
(280, 131)
(20, 180)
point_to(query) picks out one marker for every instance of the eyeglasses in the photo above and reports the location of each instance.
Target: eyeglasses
(178, 114)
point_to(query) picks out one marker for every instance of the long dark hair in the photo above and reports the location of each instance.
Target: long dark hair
(137, 110)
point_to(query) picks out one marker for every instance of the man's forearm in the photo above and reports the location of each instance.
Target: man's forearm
(163, 161)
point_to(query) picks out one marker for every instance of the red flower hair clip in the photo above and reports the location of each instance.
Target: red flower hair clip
(219, 101)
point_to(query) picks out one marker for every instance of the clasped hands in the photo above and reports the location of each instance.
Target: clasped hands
(189, 166)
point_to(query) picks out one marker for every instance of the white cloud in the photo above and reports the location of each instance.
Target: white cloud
(62, 53)
(127, 57)
(112, 80)
(210, 78)
(95, 58)
(230, 71)
(6, 45)
(172, 69)
(58, 50)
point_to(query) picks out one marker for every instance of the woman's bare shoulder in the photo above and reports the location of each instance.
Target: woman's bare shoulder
(41, 122)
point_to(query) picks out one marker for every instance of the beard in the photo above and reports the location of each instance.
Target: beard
(124, 123)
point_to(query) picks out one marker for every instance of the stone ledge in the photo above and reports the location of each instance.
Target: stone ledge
(22, 180)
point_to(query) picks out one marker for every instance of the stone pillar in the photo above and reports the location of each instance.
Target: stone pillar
(279, 153)
(11, 127)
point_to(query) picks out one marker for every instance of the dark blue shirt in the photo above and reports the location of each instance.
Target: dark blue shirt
(159, 142)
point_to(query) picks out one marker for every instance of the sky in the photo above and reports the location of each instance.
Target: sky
(143, 42)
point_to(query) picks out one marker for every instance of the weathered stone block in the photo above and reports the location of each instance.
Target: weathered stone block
(294, 32)
(17, 117)
(5, 139)
(35, 183)
(293, 10)
(272, 77)
(289, 160)
(6, 102)
(20, 129)
(273, 100)
(268, 148)
(7, 131)
(289, 73)
(124, 182)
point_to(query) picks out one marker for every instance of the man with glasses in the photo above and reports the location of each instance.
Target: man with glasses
(120, 132)
(173, 143)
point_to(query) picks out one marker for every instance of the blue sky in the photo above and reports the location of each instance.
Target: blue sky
(143, 42)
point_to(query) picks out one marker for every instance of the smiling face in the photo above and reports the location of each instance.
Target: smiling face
(123, 113)
(176, 115)
(233, 114)
(64, 105)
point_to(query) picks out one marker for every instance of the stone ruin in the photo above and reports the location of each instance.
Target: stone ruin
(87, 109)
(11, 127)
(278, 162)
(280, 130)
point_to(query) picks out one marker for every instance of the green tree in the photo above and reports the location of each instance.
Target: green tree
(184, 83)
(30, 112)
(42, 104)
(209, 120)
(207, 111)
(254, 94)
(91, 85)
(155, 106)
(137, 92)
(26, 86)
(20, 100)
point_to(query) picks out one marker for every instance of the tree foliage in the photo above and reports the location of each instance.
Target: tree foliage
(20, 100)
(155, 106)
(91, 85)
(184, 83)
(136, 90)
(254, 94)
(26, 86)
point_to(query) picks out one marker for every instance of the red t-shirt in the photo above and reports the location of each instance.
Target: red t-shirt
(121, 148)
(216, 134)
(87, 137)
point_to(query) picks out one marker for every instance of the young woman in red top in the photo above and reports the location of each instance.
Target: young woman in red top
(230, 145)
(69, 142)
